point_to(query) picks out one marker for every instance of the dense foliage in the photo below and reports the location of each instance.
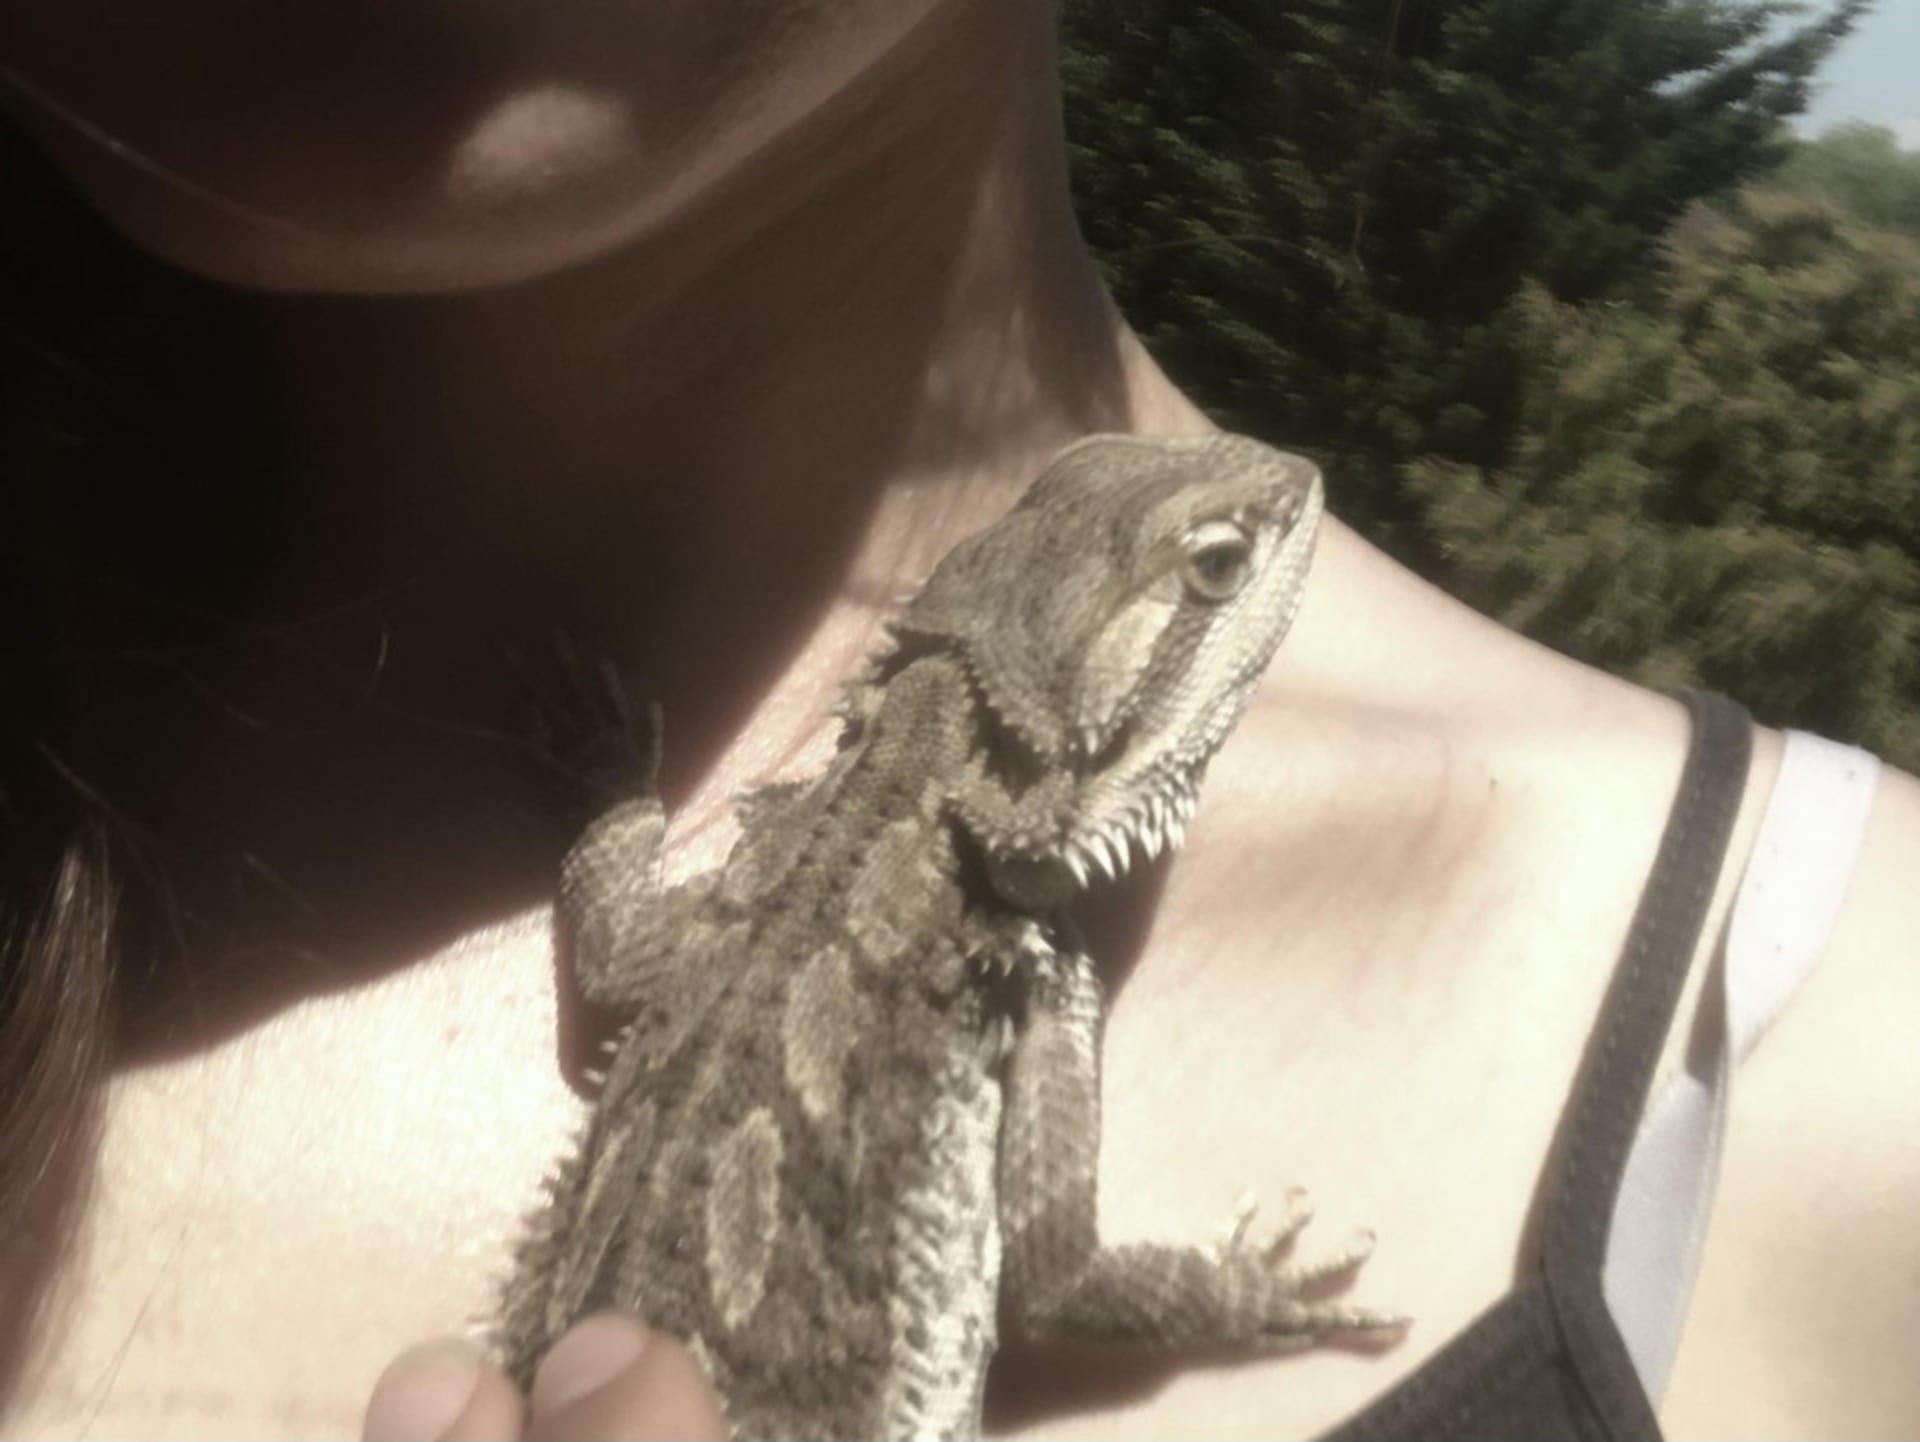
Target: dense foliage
(1461, 255)
(1723, 488)
(1315, 213)
(1863, 168)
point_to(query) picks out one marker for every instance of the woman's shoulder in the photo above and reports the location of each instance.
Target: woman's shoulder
(1806, 1310)
(1803, 1318)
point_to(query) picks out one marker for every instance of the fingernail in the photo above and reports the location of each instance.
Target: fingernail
(586, 1359)
(422, 1393)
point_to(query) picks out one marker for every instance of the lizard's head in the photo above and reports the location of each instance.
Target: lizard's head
(1114, 625)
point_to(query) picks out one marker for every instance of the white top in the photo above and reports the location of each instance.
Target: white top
(1802, 860)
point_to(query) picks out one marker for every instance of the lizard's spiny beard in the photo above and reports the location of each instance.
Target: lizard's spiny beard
(1137, 805)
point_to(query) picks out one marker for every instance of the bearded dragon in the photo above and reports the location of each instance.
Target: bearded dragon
(854, 1111)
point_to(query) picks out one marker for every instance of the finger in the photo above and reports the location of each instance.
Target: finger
(609, 1378)
(442, 1392)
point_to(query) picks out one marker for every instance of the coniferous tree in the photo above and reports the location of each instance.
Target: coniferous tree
(1318, 213)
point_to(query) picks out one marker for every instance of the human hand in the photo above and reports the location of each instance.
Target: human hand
(608, 1378)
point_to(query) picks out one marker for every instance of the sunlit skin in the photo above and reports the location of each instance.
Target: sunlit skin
(711, 326)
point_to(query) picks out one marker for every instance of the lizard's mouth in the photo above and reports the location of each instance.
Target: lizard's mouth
(1105, 842)
(1136, 826)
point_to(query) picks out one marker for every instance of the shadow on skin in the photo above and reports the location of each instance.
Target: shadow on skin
(1036, 1381)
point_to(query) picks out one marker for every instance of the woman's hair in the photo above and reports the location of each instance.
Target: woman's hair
(137, 482)
(54, 1026)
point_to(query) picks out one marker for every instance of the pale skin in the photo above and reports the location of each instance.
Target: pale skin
(758, 344)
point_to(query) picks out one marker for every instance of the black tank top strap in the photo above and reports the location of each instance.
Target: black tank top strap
(1547, 1361)
(1625, 1050)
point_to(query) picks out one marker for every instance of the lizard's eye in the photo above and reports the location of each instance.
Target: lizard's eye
(1218, 558)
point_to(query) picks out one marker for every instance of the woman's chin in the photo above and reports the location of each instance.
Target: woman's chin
(493, 219)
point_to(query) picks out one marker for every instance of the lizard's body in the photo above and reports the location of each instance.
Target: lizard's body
(856, 1105)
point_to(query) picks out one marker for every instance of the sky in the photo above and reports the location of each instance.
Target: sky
(1873, 76)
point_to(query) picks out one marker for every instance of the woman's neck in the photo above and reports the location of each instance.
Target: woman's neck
(717, 457)
(726, 448)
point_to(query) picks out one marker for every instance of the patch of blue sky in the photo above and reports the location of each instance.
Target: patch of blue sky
(1873, 76)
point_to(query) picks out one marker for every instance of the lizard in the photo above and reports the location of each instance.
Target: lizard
(852, 1117)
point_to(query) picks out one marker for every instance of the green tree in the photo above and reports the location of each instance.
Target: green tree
(1863, 168)
(1318, 213)
(1723, 489)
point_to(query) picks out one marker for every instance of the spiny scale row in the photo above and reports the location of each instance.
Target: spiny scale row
(1160, 824)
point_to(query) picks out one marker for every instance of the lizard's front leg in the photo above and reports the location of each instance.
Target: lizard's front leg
(632, 937)
(627, 932)
(1058, 1277)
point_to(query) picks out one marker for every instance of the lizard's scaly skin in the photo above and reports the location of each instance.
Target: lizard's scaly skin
(855, 1105)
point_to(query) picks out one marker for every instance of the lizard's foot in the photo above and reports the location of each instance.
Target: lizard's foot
(1286, 1320)
(1234, 1294)
(1234, 1235)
